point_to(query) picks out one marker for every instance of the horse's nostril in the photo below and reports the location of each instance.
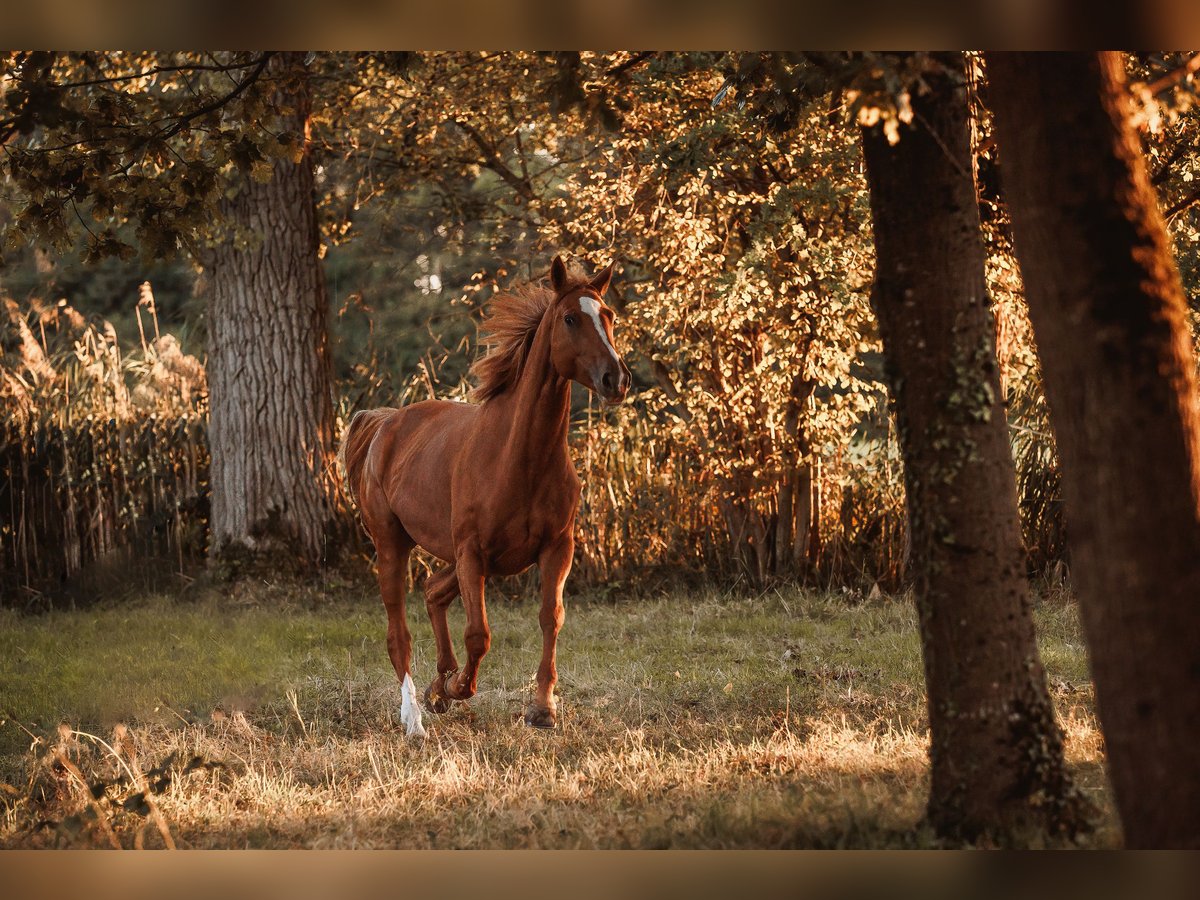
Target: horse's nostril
(607, 381)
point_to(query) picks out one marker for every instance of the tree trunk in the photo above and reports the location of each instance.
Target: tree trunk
(792, 542)
(810, 515)
(996, 754)
(784, 522)
(1109, 316)
(269, 373)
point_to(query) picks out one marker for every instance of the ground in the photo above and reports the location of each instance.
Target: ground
(268, 716)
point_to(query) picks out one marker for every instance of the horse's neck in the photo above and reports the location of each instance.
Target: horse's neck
(539, 407)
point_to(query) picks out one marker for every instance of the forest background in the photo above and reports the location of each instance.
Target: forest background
(728, 188)
(213, 260)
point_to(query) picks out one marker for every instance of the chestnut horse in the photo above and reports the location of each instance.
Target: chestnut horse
(488, 487)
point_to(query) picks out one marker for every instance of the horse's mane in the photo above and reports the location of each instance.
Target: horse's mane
(507, 332)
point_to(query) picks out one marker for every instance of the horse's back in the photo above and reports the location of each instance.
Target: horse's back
(408, 466)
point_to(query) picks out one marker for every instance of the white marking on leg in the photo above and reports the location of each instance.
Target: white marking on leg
(591, 306)
(410, 709)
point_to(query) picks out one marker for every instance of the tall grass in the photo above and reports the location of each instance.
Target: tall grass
(102, 452)
(650, 504)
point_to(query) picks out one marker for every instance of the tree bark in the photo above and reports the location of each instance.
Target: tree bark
(271, 421)
(996, 750)
(1109, 316)
(785, 521)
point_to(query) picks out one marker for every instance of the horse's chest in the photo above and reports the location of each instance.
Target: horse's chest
(513, 535)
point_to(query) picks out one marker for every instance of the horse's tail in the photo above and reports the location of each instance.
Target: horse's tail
(364, 425)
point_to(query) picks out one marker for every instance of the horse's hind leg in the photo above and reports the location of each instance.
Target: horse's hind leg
(393, 546)
(440, 590)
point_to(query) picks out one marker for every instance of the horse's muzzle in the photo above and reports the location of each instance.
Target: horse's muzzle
(614, 385)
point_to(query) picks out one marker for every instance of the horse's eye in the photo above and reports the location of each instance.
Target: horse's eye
(570, 320)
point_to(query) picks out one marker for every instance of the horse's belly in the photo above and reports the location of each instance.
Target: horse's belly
(429, 526)
(421, 500)
(512, 547)
(512, 561)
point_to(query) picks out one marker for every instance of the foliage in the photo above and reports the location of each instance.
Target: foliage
(750, 322)
(1168, 91)
(143, 138)
(757, 444)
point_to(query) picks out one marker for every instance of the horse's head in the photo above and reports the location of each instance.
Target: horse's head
(582, 343)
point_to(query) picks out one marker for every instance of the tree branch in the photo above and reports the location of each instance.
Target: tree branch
(634, 60)
(1181, 205)
(1176, 75)
(157, 70)
(493, 161)
(218, 103)
(1164, 169)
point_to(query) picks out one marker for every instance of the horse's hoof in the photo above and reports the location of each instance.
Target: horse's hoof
(451, 690)
(540, 718)
(436, 703)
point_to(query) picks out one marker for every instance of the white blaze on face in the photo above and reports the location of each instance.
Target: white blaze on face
(410, 709)
(591, 306)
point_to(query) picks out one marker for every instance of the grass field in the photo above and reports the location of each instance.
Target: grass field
(790, 719)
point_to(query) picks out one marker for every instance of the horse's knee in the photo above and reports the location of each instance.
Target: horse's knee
(551, 618)
(435, 601)
(393, 578)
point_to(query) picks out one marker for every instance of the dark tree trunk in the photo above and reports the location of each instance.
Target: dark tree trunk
(1109, 316)
(269, 375)
(794, 525)
(996, 755)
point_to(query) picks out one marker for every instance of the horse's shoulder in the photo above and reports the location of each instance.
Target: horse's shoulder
(562, 492)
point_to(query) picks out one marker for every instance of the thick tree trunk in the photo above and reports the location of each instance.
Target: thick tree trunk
(996, 755)
(1109, 316)
(269, 375)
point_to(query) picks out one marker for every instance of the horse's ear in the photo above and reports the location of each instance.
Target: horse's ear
(558, 275)
(600, 283)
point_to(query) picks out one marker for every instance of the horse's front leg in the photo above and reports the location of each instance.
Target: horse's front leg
(555, 565)
(477, 637)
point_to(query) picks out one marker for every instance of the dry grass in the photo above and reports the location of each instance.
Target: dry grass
(784, 720)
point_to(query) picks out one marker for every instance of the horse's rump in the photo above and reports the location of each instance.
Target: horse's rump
(364, 425)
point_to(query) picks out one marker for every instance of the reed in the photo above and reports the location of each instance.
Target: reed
(652, 505)
(102, 452)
